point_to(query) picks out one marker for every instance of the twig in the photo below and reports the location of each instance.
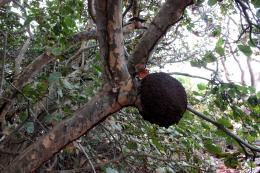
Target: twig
(189, 75)
(128, 8)
(91, 10)
(228, 132)
(79, 53)
(86, 154)
(250, 69)
(3, 64)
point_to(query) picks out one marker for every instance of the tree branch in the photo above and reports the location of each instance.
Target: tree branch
(189, 75)
(85, 118)
(250, 69)
(20, 56)
(21, 80)
(222, 128)
(169, 14)
(110, 37)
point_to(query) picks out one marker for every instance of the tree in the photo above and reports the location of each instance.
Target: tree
(66, 81)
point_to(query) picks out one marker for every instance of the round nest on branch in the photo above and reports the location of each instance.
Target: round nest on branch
(163, 99)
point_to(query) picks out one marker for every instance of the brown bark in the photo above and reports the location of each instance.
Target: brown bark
(92, 113)
(168, 15)
(21, 80)
(110, 37)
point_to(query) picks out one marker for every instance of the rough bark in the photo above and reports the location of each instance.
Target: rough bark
(92, 113)
(169, 14)
(21, 80)
(110, 37)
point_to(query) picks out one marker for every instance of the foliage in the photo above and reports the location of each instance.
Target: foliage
(125, 142)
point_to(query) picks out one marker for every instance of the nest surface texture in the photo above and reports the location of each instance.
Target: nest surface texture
(163, 99)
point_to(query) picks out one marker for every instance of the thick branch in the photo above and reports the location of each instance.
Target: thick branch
(110, 37)
(92, 113)
(169, 14)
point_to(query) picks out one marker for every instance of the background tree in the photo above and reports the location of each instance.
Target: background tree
(68, 65)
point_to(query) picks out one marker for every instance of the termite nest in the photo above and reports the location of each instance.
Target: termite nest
(163, 99)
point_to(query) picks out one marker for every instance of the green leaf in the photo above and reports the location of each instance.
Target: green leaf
(198, 63)
(29, 91)
(23, 116)
(220, 51)
(216, 32)
(246, 50)
(69, 22)
(201, 86)
(131, 145)
(220, 42)
(56, 51)
(231, 161)
(253, 101)
(157, 144)
(218, 48)
(42, 87)
(29, 127)
(54, 77)
(256, 3)
(212, 2)
(213, 148)
(258, 94)
(225, 122)
(209, 57)
(97, 68)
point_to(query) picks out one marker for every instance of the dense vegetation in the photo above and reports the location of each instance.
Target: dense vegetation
(57, 75)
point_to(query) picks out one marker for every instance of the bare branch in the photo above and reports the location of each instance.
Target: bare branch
(189, 75)
(250, 69)
(20, 56)
(128, 8)
(239, 66)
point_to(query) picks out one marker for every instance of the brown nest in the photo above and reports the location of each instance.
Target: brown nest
(163, 99)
